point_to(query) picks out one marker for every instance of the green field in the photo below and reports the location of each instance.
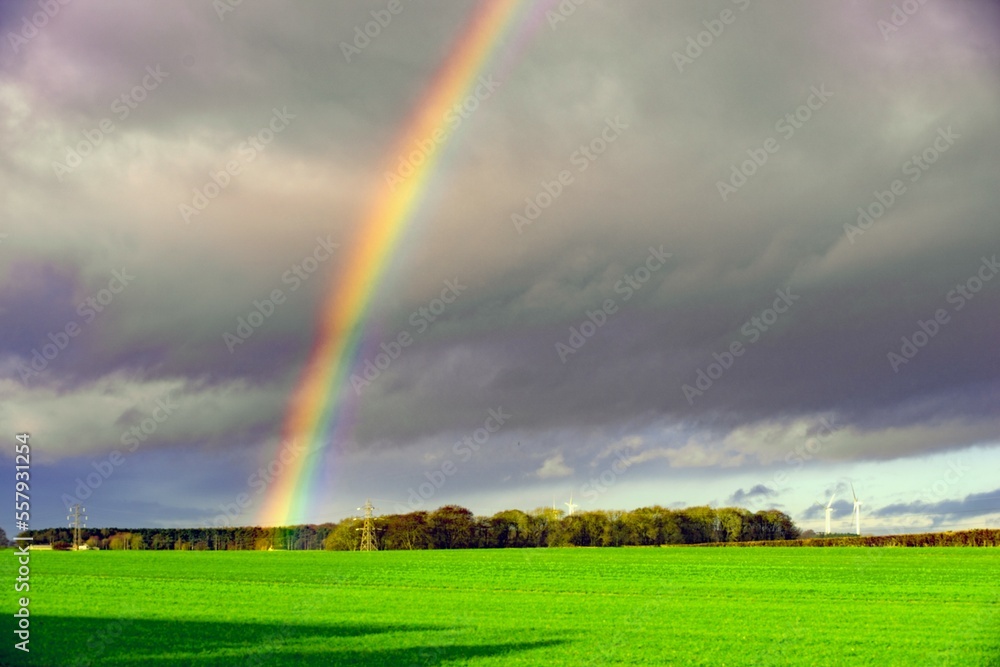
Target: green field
(669, 606)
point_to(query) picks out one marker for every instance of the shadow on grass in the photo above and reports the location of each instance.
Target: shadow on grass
(58, 641)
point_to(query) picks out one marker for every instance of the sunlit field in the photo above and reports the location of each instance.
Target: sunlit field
(655, 606)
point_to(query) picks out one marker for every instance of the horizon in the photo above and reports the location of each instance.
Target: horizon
(562, 514)
(477, 256)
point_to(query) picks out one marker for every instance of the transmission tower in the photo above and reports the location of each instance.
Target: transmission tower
(78, 513)
(368, 530)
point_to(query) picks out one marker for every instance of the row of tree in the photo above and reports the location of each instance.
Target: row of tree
(454, 527)
(976, 537)
(242, 538)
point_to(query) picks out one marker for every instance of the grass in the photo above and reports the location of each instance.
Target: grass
(777, 606)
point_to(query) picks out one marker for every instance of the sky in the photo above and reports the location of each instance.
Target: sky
(676, 253)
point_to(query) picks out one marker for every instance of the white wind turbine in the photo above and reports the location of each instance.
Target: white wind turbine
(857, 511)
(829, 509)
(571, 505)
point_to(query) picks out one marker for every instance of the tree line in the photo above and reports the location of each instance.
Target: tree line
(455, 527)
(975, 537)
(242, 538)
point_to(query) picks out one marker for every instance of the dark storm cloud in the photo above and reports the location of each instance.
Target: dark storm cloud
(783, 230)
(849, 297)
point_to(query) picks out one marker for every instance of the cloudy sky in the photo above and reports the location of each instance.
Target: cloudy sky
(734, 252)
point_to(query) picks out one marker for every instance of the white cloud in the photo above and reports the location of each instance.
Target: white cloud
(554, 466)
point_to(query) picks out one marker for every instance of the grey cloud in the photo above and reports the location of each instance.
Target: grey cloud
(969, 507)
(656, 184)
(757, 490)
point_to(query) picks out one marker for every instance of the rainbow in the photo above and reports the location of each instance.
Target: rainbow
(319, 411)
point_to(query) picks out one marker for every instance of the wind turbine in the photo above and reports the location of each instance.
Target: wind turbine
(829, 509)
(857, 511)
(571, 505)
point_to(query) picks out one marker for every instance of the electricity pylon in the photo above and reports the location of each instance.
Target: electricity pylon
(75, 517)
(368, 530)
